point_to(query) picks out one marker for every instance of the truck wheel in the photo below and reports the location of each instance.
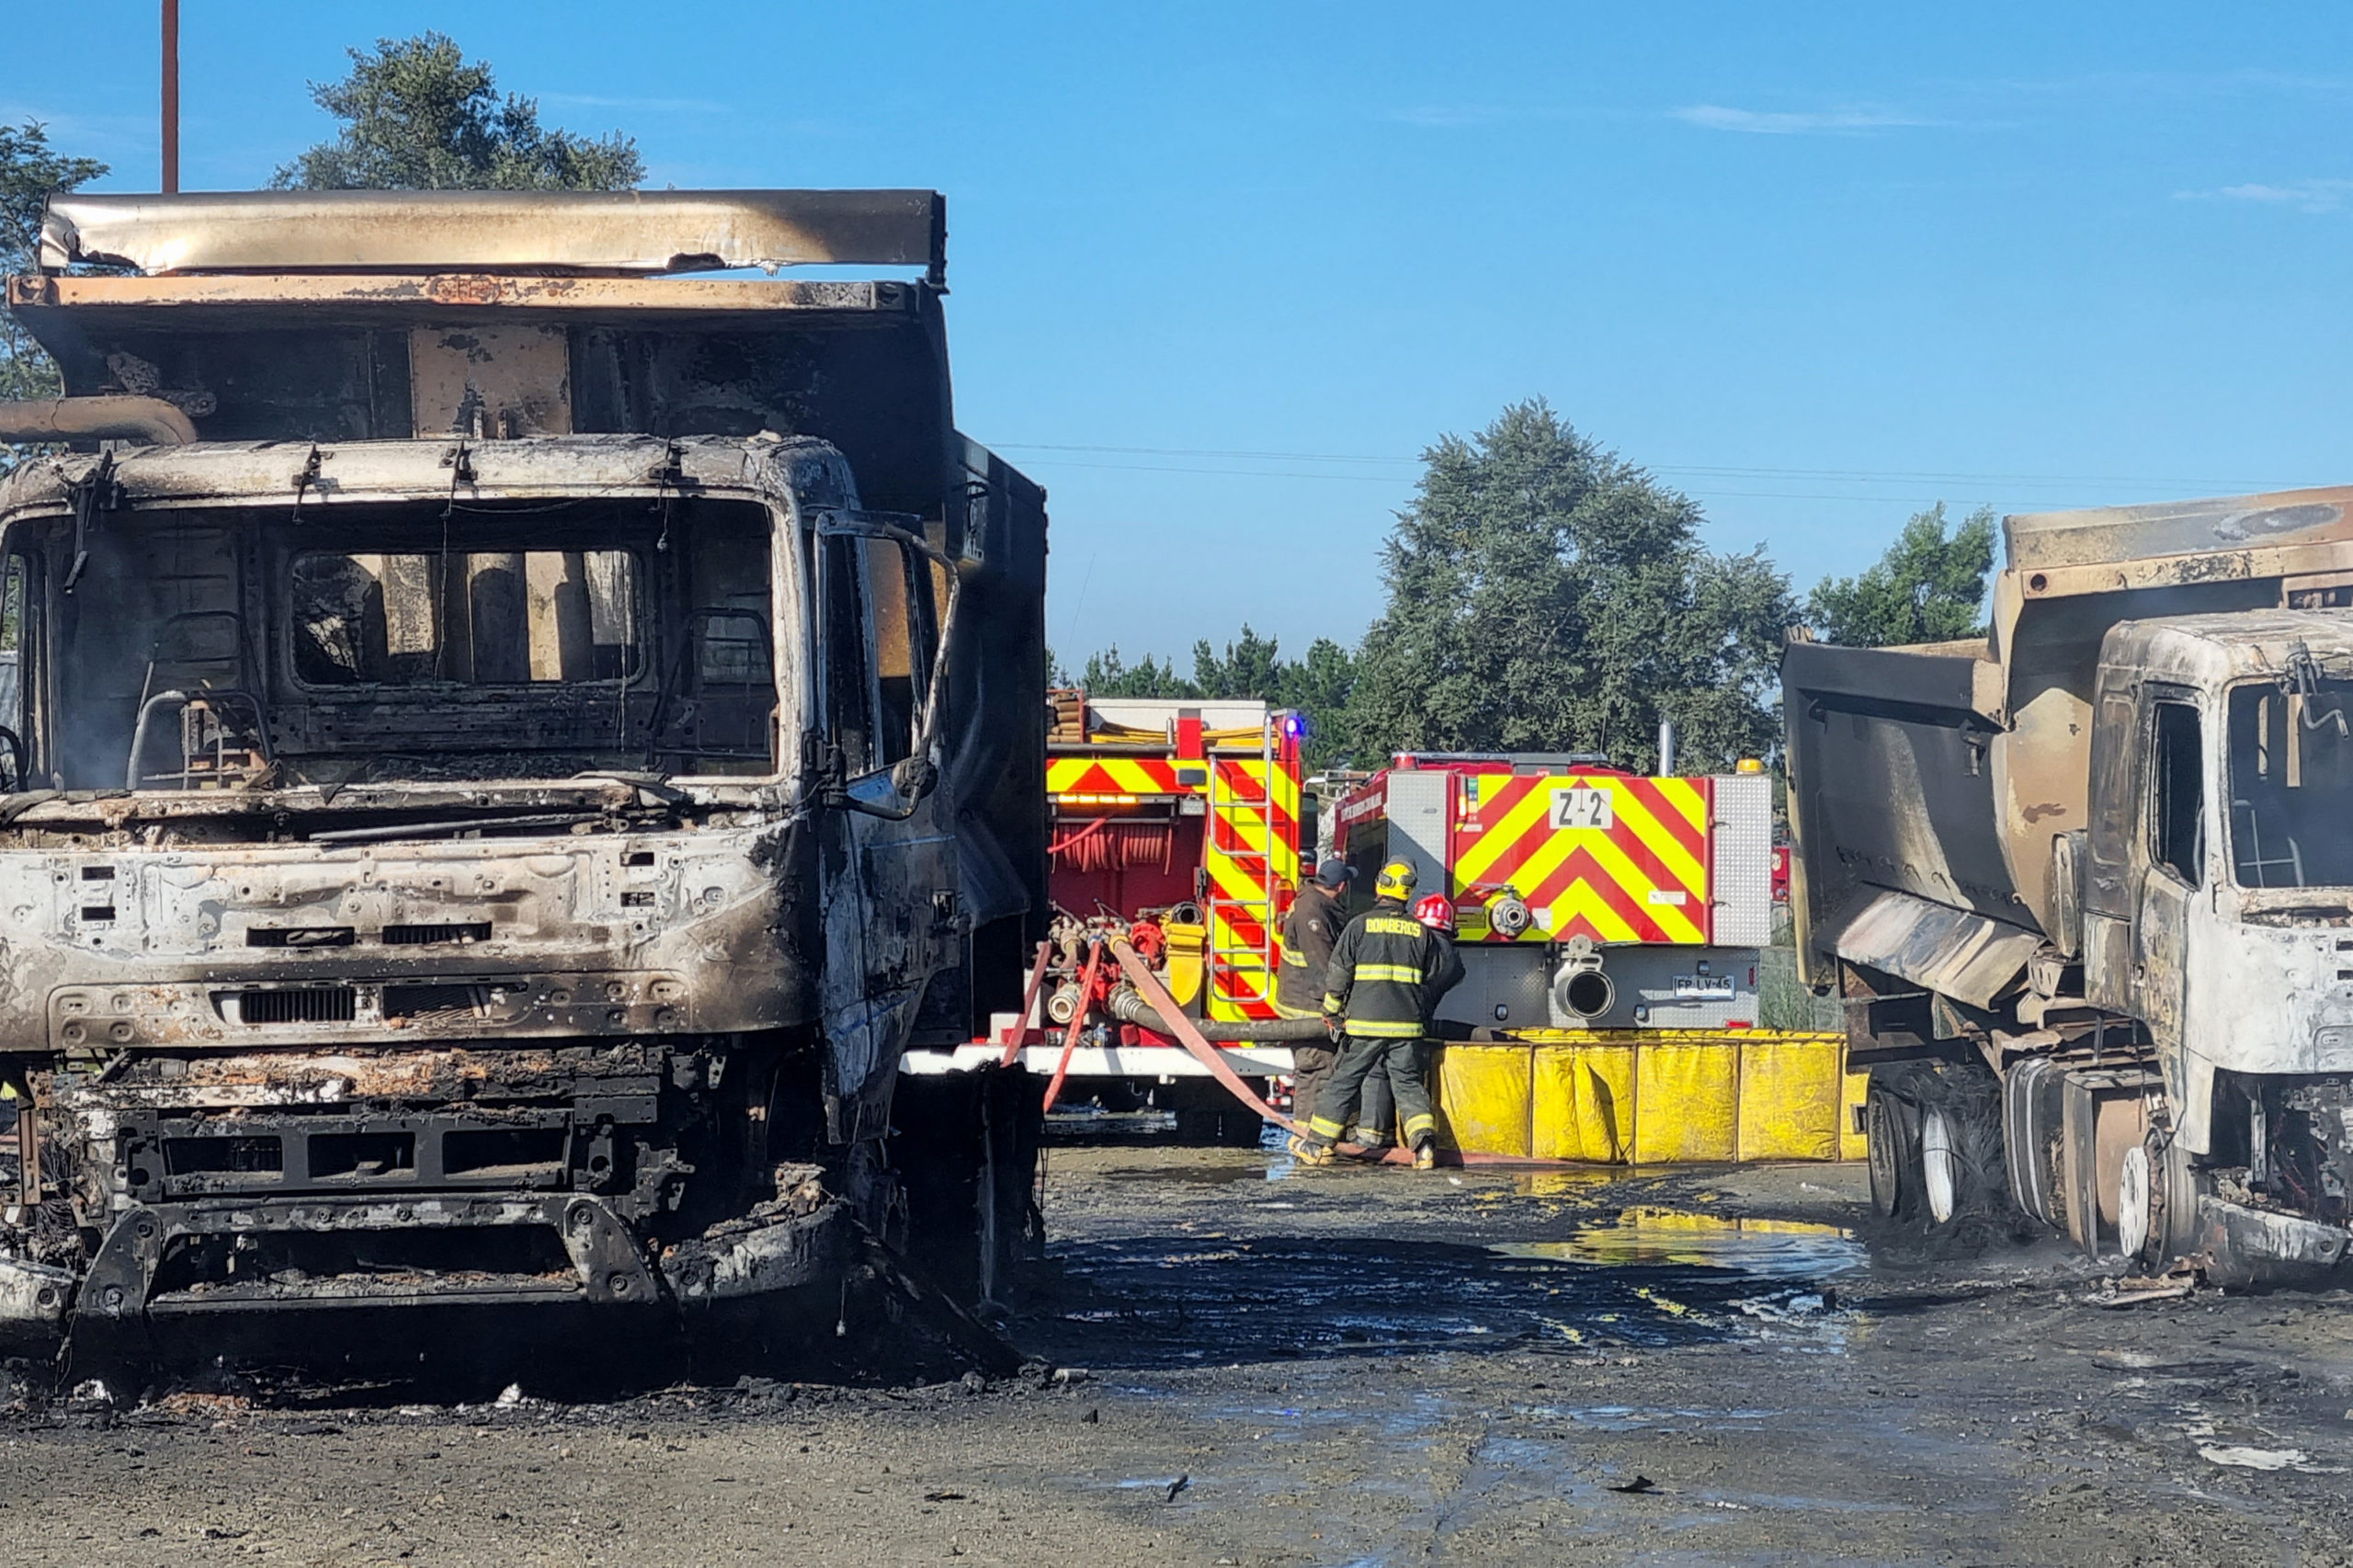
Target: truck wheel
(2156, 1210)
(1891, 1126)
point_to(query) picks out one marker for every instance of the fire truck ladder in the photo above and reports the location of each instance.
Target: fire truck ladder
(1241, 829)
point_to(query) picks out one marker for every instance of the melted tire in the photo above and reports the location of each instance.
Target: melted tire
(1934, 1134)
(1892, 1125)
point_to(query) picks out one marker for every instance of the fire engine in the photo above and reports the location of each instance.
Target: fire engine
(1175, 826)
(1587, 898)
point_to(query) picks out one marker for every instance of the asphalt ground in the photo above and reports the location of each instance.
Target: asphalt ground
(1240, 1362)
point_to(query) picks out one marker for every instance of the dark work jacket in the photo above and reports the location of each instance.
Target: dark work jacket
(1309, 931)
(1444, 977)
(1387, 970)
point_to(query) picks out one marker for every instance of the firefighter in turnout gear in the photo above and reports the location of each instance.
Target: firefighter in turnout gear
(1386, 975)
(1308, 930)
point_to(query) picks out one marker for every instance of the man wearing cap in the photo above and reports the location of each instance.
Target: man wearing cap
(1386, 973)
(1308, 933)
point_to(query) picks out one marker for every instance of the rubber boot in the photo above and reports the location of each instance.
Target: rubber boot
(1425, 1156)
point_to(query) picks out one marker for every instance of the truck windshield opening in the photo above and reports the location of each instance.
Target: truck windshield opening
(243, 647)
(469, 618)
(2291, 772)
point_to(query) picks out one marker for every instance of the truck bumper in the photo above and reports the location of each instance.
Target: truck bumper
(180, 1263)
(183, 1260)
(2249, 1247)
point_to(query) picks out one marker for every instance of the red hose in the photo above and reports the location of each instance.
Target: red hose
(1207, 1055)
(1020, 1033)
(1077, 1022)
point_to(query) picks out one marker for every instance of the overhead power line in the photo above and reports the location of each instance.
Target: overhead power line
(1818, 475)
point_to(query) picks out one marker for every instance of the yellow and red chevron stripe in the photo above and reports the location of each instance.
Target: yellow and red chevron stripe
(1642, 878)
(1118, 775)
(1250, 852)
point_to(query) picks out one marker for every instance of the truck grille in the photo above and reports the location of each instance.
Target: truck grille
(453, 931)
(304, 1004)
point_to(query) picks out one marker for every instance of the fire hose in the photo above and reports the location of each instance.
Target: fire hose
(1130, 1007)
(1189, 1035)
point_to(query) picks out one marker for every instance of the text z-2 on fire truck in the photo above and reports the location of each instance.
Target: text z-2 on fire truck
(2087, 886)
(512, 748)
(1177, 824)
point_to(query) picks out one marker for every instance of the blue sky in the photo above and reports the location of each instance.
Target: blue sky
(1220, 271)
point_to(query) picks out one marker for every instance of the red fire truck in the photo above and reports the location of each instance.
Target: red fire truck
(1179, 823)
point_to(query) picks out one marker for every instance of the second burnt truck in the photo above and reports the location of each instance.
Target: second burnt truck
(2086, 886)
(513, 743)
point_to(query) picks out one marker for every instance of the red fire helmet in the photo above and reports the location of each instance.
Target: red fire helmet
(1436, 911)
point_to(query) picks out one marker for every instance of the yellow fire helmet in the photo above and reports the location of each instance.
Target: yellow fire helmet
(1396, 881)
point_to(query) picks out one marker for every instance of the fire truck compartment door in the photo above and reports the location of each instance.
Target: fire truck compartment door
(1417, 808)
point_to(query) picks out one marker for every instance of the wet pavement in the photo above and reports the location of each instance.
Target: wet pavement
(1241, 1362)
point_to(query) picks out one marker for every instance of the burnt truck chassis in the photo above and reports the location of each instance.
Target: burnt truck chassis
(625, 1042)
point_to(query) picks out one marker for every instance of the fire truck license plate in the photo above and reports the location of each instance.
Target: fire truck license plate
(1582, 808)
(1704, 986)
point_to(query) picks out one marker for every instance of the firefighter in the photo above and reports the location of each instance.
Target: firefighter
(1387, 972)
(1308, 933)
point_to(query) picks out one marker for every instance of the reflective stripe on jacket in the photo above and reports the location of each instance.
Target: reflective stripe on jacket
(1388, 970)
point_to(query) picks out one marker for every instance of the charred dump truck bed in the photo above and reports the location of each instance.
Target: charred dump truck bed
(483, 819)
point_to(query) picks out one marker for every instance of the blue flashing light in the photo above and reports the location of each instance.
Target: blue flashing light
(1295, 726)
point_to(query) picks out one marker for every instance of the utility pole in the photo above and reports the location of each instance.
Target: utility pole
(171, 98)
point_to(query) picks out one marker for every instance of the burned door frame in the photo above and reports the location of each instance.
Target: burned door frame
(884, 838)
(21, 708)
(2161, 891)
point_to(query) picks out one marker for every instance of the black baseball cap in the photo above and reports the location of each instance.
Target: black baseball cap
(1335, 874)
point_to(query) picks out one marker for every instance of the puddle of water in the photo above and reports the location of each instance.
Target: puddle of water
(1631, 1418)
(1161, 1298)
(1566, 1184)
(1762, 1249)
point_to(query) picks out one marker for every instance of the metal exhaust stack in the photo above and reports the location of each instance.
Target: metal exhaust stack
(148, 420)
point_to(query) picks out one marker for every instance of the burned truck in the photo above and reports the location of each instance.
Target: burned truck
(513, 742)
(2086, 886)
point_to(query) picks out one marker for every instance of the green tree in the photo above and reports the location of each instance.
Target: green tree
(30, 172)
(1928, 587)
(1544, 595)
(419, 116)
(1108, 675)
(1320, 687)
(1317, 686)
(1250, 667)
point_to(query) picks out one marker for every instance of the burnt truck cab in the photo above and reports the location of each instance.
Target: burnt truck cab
(482, 824)
(2217, 867)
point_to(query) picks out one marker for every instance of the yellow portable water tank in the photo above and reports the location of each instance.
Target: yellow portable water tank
(1708, 1096)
